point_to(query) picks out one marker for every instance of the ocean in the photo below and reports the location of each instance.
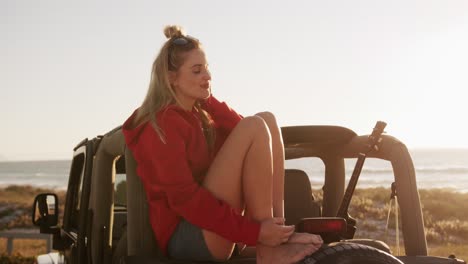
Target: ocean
(435, 168)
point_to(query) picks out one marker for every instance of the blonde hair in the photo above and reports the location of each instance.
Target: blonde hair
(160, 93)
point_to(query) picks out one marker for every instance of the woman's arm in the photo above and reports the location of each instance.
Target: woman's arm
(185, 196)
(224, 116)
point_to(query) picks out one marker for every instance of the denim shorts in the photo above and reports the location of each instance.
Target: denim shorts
(188, 243)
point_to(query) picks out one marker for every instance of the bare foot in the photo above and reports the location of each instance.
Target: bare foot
(306, 238)
(284, 254)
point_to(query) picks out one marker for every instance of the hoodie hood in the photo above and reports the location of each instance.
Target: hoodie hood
(131, 133)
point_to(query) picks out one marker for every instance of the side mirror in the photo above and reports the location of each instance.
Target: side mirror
(45, 211)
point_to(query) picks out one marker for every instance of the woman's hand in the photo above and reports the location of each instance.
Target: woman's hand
(273, 232)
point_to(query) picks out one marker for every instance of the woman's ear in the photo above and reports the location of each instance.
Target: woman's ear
(172, 77)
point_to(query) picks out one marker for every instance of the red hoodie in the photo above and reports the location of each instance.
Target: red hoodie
(170, 173)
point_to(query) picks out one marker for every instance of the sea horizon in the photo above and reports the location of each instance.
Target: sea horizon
(445, 168)
(4, 158)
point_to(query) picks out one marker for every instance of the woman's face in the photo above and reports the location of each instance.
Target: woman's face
(192, 81)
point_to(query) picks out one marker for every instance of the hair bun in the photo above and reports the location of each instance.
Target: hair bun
(173, 31)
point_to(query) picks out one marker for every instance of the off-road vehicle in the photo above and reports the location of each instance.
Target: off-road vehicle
(105, 220)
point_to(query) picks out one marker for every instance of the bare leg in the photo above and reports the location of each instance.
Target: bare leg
(278, 171)
(242, 175)
(278, 177)
(278, 162)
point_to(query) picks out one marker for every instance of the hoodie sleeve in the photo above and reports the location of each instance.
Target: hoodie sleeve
(223, 116)
(185, 196)
(224, 119)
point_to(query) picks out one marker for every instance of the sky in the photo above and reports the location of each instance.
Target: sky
(71, 70)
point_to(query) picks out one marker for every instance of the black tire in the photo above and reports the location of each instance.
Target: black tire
(350, 253)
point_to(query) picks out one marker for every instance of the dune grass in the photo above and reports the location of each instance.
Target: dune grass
(24, 247)
(16, 204)
(446, 220)
(444, 213)
(15, 259)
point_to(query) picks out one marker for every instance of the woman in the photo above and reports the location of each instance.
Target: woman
(212, 177)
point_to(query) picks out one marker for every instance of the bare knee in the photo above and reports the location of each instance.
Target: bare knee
(269, 118)
(255, 125)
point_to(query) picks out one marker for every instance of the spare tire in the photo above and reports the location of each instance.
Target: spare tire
(350, 253)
